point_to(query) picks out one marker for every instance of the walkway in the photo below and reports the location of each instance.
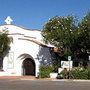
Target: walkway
(16, 77)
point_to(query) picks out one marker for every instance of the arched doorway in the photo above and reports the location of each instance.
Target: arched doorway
(29, 67)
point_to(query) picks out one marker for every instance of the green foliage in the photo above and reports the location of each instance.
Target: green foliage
(71, 37)
(77, 73)
(65, 74)
(80, 73)
(83, 35)
(56, 65)
(89, 73)
(59, 31)
(4, 43)
(45, 71)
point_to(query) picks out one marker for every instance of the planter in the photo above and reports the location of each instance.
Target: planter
(53, 75)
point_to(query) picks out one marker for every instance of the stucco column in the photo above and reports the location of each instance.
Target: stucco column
(37, 67)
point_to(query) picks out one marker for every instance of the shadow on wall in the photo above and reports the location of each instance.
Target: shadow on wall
(44, 56)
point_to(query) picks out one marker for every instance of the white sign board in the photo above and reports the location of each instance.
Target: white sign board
(69, 58)
(89, 58)
(66, 64)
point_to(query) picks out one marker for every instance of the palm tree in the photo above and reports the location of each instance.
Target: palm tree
(4, 45)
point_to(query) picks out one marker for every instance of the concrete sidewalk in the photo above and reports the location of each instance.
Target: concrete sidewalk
(16, 77)
(33, 78)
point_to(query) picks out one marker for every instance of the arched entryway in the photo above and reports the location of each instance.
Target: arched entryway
(28, 67)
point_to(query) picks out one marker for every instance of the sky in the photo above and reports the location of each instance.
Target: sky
(33, 14)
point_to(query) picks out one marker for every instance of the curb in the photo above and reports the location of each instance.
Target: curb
(59, 80)
(69, 80)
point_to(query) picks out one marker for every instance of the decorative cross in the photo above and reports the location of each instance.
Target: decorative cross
(8, 20)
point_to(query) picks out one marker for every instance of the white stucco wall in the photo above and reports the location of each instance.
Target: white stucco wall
(25, 42)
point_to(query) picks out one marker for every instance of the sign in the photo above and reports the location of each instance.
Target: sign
(69, 58)
(89, 58)
(66, 64)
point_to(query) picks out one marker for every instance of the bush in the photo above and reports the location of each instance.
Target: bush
(88, 73)
(45, 71)
(64, 73)
(76, 73)
(80, 73)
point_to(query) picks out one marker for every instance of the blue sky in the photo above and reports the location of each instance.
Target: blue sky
(33, 14)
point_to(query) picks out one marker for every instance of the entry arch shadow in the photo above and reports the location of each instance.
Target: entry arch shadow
(28, 67)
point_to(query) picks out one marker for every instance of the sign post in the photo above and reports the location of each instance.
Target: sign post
(69, 59)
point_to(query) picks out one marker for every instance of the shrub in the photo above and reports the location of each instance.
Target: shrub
(88, 73)
(64, 73)
(79, 74)
(45, 71)
(76, 73)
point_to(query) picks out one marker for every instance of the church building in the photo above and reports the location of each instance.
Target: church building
(27, 51)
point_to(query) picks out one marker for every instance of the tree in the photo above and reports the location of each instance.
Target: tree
(83, 39)
(4, 45)
(60, 32)
(84, 29)
(71, 37)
